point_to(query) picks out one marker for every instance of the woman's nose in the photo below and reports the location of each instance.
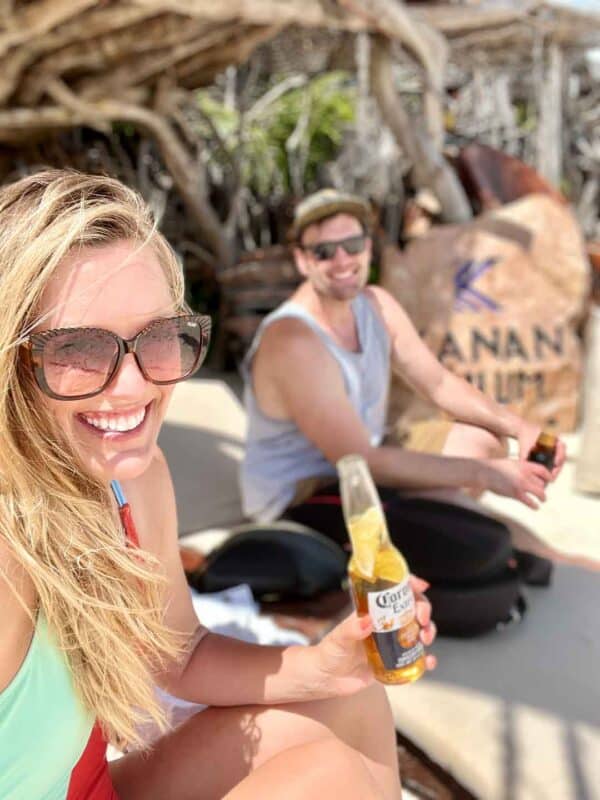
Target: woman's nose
(129, 379)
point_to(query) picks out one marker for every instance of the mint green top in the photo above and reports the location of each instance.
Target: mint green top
(44, 727)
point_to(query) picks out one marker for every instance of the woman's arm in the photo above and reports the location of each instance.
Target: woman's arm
(218, 670)
(224, 672)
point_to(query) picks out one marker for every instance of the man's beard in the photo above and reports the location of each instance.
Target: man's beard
(331, 291)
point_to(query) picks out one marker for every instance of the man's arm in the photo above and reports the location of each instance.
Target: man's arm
(457, 397)
(308, 386)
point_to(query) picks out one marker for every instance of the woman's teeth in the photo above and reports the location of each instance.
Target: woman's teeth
(121, 424)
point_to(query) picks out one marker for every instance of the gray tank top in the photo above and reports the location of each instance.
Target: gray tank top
(277, 454)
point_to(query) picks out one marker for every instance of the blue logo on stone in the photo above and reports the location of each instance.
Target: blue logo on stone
(466, 297)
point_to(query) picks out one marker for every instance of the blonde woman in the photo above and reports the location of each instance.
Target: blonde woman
(95, 610)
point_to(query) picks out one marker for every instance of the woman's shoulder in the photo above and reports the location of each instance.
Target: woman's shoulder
(16, 625)
(14, 580)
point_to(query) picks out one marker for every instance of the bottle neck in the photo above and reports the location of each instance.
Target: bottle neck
(385, 534)
(546, 440)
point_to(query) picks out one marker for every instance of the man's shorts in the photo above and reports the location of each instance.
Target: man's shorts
(427, 436)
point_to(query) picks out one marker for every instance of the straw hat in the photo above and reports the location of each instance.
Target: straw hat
(326, 203)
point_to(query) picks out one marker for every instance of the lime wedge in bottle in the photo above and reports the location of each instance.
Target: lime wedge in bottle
(365, 534)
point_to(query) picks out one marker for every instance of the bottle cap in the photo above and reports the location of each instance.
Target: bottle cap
(547, 439)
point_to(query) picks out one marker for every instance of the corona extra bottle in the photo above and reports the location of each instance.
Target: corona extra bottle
(379, 579)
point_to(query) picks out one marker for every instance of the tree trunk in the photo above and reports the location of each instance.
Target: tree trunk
(430, 168)
(550, 102)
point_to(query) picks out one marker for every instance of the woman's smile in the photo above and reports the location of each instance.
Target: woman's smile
(117, 425)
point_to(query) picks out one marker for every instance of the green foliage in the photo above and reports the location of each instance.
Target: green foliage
(313, 118)
(526, 115)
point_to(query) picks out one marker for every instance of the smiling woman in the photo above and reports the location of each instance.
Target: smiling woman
(96, 611)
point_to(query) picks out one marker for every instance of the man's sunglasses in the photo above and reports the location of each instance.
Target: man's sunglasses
(76, 363)
(324, 251)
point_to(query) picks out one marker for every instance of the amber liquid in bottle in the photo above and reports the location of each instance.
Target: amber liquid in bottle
(379, 580)
(544, 450)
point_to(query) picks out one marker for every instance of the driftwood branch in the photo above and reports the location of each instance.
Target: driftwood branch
(429, 166)
(38, 18)
(427, 46)
(186, 171)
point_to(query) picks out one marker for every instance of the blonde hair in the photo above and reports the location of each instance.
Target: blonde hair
(103, 601)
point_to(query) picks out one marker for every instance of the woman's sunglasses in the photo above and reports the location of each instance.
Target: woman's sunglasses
(324, 251)
(76, 363)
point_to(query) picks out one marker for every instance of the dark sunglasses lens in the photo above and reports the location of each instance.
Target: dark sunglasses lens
(79, 363)
(324, 251)
(172, 349)
(354, 245)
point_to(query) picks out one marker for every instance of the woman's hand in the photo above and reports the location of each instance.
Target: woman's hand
(340, 658)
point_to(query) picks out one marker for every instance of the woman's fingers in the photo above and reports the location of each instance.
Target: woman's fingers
(428, 634)
(418, 585)
(423, 611)
(430, 661)
(352, 629)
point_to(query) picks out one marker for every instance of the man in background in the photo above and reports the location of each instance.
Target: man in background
(316, 389)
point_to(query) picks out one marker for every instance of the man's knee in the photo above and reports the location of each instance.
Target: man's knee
(469, 441)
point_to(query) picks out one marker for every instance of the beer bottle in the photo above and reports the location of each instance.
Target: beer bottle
(544, 450)
(379, 579)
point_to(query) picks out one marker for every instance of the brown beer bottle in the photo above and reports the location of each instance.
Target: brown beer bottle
(544, 450)
(379, 579)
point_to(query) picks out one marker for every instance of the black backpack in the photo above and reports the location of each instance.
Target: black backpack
(282, 561)
(474, 588)
(476, 578)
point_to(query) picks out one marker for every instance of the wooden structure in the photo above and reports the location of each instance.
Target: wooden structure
(67, 63)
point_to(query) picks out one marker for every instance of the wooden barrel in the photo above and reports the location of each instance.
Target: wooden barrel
(261, 281)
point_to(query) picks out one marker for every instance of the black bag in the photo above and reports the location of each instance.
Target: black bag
(476, 578)
(279, 561)
(470, 609)
(475, 575)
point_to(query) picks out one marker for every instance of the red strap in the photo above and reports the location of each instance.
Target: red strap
(330, 500)
(90, 779)
(323, 500)
(131, 534)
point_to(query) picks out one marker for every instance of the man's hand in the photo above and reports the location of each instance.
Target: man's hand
(526, 436)
(341, 662)
(559, 458)
(522, 480)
